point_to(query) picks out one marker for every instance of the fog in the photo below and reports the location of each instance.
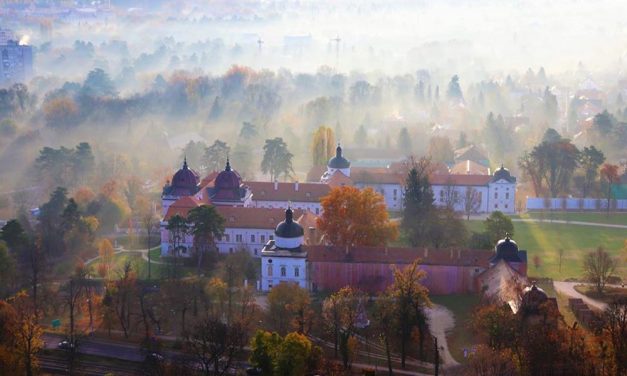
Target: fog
(197, 70)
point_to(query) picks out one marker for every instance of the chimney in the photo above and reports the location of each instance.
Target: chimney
(276, 185)
(296, 186)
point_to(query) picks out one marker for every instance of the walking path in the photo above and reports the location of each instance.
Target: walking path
(144, 254)
(441, 320)
(568, 288)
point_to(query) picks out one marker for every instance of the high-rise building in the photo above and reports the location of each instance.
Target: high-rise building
(17, 59)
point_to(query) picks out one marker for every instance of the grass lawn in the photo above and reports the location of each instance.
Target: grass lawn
(140, 266)
(615, 218)
(460, 336)
(545, 240)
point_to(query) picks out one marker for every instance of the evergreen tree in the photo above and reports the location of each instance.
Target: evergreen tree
(404, 141)
(277, 159)
(418, 204)
(454, 91)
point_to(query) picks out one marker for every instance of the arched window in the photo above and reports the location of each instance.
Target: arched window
(283, 271)
(269, 270)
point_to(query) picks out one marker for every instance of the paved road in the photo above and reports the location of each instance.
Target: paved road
(144, 254)
(99, 347)
(568, 288)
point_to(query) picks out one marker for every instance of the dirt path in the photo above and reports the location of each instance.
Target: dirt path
(441, 320)
(143, 252)
(568, 288)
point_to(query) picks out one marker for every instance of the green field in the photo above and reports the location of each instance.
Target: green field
(140, 266)
(545, 240)
(595, 217)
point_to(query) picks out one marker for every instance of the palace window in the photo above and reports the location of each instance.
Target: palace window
(238, 238)
(317, 211)
(496, 195)
(296, 272)
(507, 195)
(252, 238)
(228, 237)
(271, 237)
(263, 238)
(283, 271)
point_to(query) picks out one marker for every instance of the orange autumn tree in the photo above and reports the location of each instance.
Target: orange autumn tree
(354, 217)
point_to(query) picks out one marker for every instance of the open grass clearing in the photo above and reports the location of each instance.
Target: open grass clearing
(546, 239)
(614, 218)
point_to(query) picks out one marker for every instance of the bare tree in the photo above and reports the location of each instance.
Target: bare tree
(615, 325)
(471, 201)
(451, 195)
(598, 266)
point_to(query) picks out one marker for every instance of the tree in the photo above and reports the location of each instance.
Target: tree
(590, 160)
(531, 169)
(98, 84)
(341, 312)
(277, 160)
(61, 113)
(195, 154)
(598, 266)
(615, 327)
(404, 141)
(216, 155)
(178, 229)
(454, 91)
(323, 146)
(556, 161)
(289, 308)
(440, 149)
(120, 297)
(609, 172)
(215, 344)
(498, 225)
(205, 225)
(353, 217)
(471, 201)
(485, 361)
(25, 333)
(105, 251)
(410, 299)
(7, 271)
(361, 136)
(292, 355)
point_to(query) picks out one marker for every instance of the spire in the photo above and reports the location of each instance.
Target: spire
(185, 162)
(338, 150)
(228, 164)
(289, 215)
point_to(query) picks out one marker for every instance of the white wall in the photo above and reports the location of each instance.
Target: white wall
(588, 204)
(502, 197)
(234, 239)
(289, 264)
(392, 194)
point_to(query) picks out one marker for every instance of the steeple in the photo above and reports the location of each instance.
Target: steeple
(289, 215)
(228, 164)
(338, 151)
(185, 163)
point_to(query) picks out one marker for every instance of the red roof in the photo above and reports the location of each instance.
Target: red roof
(306, 192)
(261, 218)
(182, 206)
(460, 179)
(374, 176)
(397, 255)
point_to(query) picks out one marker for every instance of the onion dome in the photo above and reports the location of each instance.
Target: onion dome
(288, 234)
(532, 298)
(338, 161)
(503, 174)
(228, 179)
(185, 178)
(507, 250)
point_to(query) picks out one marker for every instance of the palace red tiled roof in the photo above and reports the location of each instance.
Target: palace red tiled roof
(397, 255)
(452, 179)
(301, 192)
(234, 216)
(259, 218)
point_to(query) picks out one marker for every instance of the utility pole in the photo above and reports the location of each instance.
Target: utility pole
(437, 357)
